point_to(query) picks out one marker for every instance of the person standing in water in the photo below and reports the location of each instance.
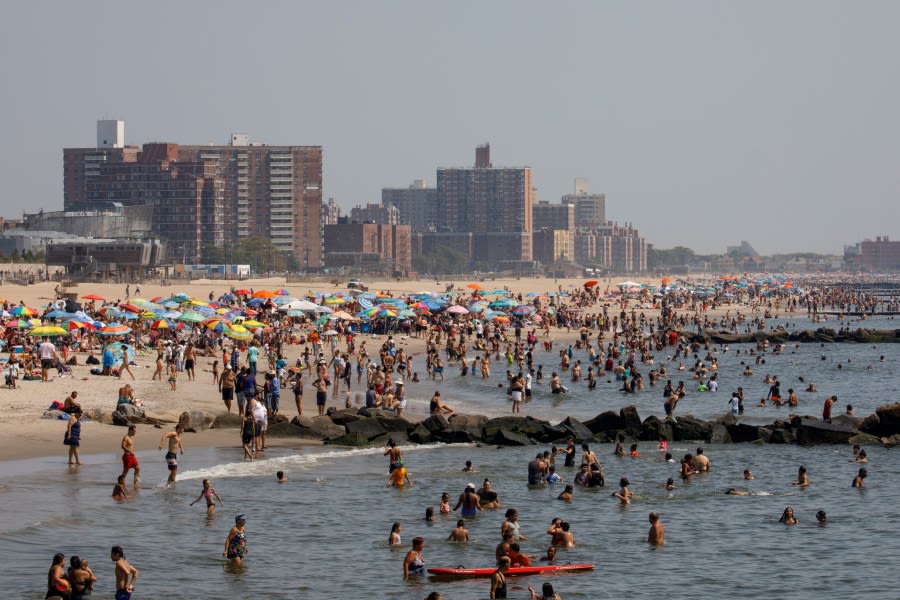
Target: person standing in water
(72, 438)
(126, 575)
(173, 440)
(657, 534)
(209, 493)
(236, 542)
(129, 460)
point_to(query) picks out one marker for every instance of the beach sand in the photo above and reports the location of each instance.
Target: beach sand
(24, 433)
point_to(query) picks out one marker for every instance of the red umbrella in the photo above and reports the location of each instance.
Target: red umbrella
(242, 292)
(590, 283)
(130, 308)
(93, 297)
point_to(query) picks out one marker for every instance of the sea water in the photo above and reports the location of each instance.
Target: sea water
(324, 532)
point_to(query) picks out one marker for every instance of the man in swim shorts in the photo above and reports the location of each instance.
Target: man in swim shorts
(469, 502)
(126, 575)
(173, 439)
(129, 460)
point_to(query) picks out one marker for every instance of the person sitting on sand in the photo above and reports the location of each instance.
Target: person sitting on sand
(70, 405)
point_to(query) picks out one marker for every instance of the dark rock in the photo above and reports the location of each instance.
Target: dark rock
(818, 432)
(350, 439)
(462, 429)
(556, 433)
(320, 427)
(782, 436)
(630, 419)
(871, 425)
(196, 420)
(847, 420)
(505, 437)
(719, 434)
(604, 422)
(688, 428)
(764, 435)
(370, 428)
(528, 426)
(652, 429)
(576, 429)
(420, 435)
(130, 410)
(889, 418)
(284, 429)
(346, 416)
(865, 439)
(473, 422)
(393, 423)
(435, 423)
(227, 421)
(743, 432)
(892, 441)
(452, 435)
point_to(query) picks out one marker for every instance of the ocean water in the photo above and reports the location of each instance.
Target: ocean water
(324, 532)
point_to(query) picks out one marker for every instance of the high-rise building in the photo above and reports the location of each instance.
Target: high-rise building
(379, 214)
(417, 204)
(488, 200)
(590, 209)
(553, 216)
(274, 192)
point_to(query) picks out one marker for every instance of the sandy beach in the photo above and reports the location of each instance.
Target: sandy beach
(24, 433)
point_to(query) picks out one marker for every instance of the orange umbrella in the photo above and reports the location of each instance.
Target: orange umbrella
(473, 286)
(93, 297)
(590, 283)
(264, 294)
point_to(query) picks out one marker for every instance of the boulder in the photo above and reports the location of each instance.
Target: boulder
(462, 429)
(889, 418)
(346, 416)
(319, 427)
(630, 419)
(370, 427)
(420, 435)
(608, 421)
(505, 437)
(871, 425)
(892, 441)
(227, 421)
(652, 429)
(782, 436)
(284, 429)
(848, 420)
(865, 439)
(688, 427)
(576, 429)
(130, 411)
(528, 426)
(743, 432)
(350, 439)
(814, 431)
(435, 423)
(556, 433)
(393, 423)
(719, 434)
(196, 420)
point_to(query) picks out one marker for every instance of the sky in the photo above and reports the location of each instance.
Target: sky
(704, 122)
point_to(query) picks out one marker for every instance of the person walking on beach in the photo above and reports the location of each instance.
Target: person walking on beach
(126, 575)
(72, 438)
(125, 366)
(209, 493)
(173, 440)
(236, 542)
(226, 386)
(47, 353)
(129, 460)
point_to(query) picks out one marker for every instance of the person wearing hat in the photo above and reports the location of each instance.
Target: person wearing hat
(469, 501)
(236, 542)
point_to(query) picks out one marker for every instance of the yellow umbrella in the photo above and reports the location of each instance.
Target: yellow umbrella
(335, 300)
(253, 323)
(48, 330)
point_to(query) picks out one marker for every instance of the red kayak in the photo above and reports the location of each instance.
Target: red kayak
(460, 572)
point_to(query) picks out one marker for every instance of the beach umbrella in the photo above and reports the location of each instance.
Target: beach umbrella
(115, 329)
(47, 330)
(191, 316)
(323, 310)
(523, 309)
(265, 294)
(334, 300)
(160, 324)
(73, 325)
(590, 283)
(343, 315)
(253, 323)
(329, 332)
(456, 309)
(503, 303)
(130, 308)
(22, 311)
(59, 314)
(473, 286)
(242, 292)
(93, 297)
(241, 336)
(282, 292)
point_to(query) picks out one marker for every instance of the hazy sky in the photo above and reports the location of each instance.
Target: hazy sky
(705, 123)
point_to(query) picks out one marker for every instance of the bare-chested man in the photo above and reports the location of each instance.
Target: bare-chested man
(173, 439)
(126, 575)
(129, 460)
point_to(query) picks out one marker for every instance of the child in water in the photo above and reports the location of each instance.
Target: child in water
(208, 492)
(119, 492)
(445, 503)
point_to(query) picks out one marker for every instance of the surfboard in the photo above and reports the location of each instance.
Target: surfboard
(461, 572)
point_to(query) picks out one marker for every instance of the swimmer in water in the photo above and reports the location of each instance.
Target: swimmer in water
(821, 517)
(858, 481)
(736, 492)
(624, 494)
(748, 474)
(459, 533)
(670, 484)
(119, 491)
(787, 517)
(657, 533)
(208, 492)
(280, 477)
(802, 478)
